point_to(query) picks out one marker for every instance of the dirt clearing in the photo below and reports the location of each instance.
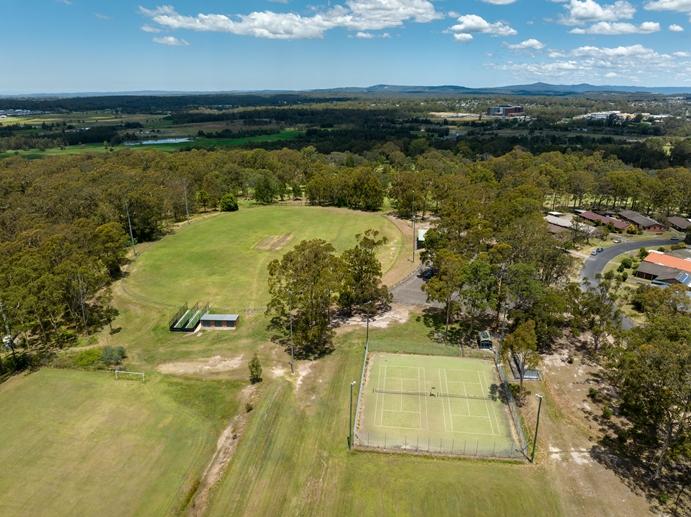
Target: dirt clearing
(212, 365)
(273, 242)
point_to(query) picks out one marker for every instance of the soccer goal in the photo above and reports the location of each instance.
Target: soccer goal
(129, 376)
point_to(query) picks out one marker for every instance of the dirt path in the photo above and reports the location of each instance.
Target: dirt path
(225, 447)
(567, 437)
(403, 266)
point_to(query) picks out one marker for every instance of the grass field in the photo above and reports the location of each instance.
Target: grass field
(81, 443)
(294, 460)
(206, 143)
(223, 260)
(445, 405)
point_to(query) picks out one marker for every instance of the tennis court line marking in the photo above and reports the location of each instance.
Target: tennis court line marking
(489, 416)
(426, 402)
(448, 400)
(443, 406)
(467, 404)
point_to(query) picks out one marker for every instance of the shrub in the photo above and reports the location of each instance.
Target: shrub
(606, 412)
(642, 253)
(624, 276)
(90, 358)
(621, 268)
(678, 246)
(255, 370)
(228, 203)
(111, 356)
(627, 262)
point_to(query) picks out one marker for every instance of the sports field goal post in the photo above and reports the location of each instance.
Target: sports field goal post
(127, 375)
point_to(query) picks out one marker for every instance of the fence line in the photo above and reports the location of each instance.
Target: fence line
(513, 409)
(360, 390)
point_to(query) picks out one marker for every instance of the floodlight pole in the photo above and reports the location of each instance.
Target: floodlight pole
(350, 417)
(537, 425)
(292, 346)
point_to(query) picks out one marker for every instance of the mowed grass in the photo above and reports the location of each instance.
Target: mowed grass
(223, 260)
(293, 460)
(81, 443)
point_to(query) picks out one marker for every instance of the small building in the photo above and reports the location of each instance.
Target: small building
(661, 267)
(505, 110)
(219, 321)
(642, 221)
(484, 340)
(679, 223)
(604, 220)
(421, 234)
(569, 224)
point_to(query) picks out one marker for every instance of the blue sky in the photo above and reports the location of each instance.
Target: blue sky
(119, 45)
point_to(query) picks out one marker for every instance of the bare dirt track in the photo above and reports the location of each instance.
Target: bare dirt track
(567, 443)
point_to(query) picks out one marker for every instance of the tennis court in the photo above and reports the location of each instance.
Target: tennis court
(447, 405)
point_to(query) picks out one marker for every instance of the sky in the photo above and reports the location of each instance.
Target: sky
(49, 46)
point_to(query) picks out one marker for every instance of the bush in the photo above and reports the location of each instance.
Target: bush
(255, 370)
(621, 268)
(88, 359)
(111, 356)
(624, 276)
(228, 203)
(606, 413)
(627, 262)
(678, 246)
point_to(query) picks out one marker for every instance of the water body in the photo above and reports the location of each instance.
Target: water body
(161, 142)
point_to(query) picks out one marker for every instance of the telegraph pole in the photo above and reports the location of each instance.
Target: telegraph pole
(350, 419)
(537, 425)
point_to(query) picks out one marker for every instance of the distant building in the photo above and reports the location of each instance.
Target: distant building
(604, 220)
(505, 110)
(641, 221)
(679, 223)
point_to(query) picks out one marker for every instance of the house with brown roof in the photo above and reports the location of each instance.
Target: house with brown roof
(679, 223)
(642, 221)
(598, 219)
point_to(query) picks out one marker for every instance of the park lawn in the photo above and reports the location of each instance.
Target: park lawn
(223, 260)
(81, 443)
(293, 460)
(415, 336)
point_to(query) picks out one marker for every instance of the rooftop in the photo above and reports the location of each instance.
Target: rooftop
(220, 317)
(640, 219)
(662, 259)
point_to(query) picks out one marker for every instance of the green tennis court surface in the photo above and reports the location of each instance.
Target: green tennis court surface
(446, 405)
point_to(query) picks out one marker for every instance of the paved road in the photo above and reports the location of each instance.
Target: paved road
(409, 292)
(594, 264)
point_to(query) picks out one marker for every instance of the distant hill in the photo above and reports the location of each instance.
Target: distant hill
(521, 89)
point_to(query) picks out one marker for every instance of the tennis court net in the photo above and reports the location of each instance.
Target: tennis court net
(432, 393)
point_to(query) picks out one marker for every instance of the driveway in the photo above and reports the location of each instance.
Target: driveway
(594, 264)
(409, 292)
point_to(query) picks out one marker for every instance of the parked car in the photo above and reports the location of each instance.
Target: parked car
(600, 250)
(593, 253)
(616, 241)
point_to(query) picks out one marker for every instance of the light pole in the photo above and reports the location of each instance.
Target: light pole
(292, 346)
(414, 238)
(350, 417)
(537, 425)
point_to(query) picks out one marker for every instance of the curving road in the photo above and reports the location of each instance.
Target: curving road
(594, 264)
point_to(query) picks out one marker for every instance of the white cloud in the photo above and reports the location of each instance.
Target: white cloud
(676, 28)
(470, 24)
(614, 28)
(370, 35)
(499, 2)
(681, 6)
(149, 28)
(171, 41)
(357, 15)
(529, 44)
(633, 63)
(580, 12)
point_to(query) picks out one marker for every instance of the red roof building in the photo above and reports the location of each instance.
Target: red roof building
(604, 220)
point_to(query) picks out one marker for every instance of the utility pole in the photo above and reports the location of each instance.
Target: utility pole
(414, 236)
(129, 224)
(350, 419)
(537, 425)
(292, 346)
